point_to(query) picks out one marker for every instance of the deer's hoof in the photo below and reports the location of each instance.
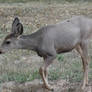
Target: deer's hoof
(49, 87)
(83, 87)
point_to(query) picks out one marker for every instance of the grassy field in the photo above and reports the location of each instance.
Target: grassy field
(23, 65)
(46, 1)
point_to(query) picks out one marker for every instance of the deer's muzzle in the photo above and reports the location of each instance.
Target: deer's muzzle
(1, 52)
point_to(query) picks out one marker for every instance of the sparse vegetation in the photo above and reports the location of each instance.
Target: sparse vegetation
(21, 66)
(48, 1)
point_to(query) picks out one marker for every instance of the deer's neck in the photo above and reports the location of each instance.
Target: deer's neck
(28, 42)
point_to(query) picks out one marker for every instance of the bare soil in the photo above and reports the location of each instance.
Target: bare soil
(36, 86)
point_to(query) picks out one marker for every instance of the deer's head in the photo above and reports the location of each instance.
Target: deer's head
(11, 40)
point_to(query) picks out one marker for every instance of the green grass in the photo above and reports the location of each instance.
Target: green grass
(19, 77)
(71, 73)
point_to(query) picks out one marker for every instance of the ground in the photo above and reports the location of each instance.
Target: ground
(36, 86)
(22, 66)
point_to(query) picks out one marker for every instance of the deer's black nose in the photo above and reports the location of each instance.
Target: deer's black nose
(0, 52)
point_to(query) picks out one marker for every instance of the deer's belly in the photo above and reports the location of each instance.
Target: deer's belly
(64, 50)
(67, 45)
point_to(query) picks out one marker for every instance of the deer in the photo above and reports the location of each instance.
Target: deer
(50, 40)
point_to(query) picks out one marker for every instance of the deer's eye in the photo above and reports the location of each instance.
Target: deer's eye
(8, 42)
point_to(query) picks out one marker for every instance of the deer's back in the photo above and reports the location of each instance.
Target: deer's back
(66, 35)
(61, 37)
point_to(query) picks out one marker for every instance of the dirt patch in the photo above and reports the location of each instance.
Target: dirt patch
(36, 86)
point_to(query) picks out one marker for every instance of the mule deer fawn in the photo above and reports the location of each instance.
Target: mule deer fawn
(50, 40)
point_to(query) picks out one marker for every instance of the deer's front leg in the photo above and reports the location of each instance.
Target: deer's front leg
(44, 78)
(43, 72)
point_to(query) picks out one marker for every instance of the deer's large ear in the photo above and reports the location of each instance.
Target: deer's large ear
(17, 27)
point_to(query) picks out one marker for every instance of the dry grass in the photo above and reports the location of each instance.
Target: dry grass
(34, 15)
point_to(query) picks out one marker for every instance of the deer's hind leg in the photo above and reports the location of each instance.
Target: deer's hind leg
(82, 49)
